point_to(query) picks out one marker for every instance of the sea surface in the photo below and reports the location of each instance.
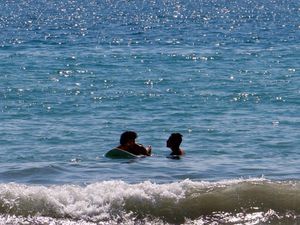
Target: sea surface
(76, 74)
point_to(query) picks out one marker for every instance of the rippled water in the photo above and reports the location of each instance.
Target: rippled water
(75, 74)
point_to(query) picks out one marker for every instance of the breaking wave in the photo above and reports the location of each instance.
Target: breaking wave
(251, 201)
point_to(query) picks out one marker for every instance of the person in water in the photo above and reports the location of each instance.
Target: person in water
(127, 143)
(173, 143)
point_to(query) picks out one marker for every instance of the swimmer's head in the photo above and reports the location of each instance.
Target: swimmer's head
(174, 140)
(128, 137)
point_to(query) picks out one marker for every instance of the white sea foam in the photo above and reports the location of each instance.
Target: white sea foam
(179, 202)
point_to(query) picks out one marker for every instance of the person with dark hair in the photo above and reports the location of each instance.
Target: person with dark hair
(173, 143)
(127, 143)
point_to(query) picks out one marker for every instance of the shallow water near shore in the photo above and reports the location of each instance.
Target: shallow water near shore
(75, 74)
(252, 201)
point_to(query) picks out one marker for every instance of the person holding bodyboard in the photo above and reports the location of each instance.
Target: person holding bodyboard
(128, 147)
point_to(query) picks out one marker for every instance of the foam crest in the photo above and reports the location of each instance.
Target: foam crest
(178, 202)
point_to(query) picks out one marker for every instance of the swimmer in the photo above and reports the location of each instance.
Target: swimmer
(127, 143)
(173, 143)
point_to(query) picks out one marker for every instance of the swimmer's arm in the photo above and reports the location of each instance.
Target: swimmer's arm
(149, 150)
(144, 151)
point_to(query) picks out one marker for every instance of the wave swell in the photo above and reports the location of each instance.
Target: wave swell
(186, 202)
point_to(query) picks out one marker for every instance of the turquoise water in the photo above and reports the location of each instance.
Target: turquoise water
(75, 74)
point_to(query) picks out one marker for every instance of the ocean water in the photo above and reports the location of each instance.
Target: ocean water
(75, 74)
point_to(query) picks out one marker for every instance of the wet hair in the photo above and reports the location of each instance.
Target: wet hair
(176, 138)
(127, 136)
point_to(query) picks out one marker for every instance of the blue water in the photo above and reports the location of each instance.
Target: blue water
(75, 74)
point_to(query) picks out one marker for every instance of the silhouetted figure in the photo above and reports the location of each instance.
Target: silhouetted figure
(127, 143)
(173, 143)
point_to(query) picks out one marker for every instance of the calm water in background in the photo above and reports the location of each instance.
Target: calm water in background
(75, 74)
